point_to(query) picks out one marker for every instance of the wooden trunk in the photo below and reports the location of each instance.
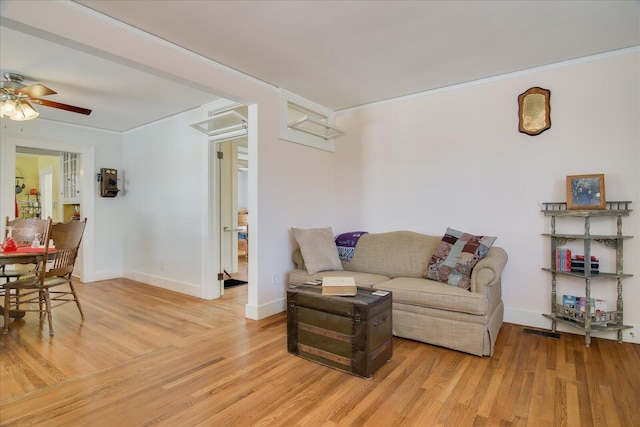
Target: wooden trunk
(352, 334)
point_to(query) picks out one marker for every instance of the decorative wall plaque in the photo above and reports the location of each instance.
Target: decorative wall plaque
(534, 111)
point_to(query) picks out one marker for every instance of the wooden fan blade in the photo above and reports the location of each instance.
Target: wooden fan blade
(61, 106)
(36, 91)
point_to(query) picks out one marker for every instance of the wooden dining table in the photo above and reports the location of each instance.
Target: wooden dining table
(23, 255)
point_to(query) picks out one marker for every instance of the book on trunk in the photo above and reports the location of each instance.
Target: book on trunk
(341, 286)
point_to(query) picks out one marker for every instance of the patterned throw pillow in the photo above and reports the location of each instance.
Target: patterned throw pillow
(456, 256)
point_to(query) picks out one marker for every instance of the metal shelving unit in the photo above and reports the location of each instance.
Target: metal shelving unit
(587, 321)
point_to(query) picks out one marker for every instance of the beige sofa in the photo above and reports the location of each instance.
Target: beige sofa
(425, 310)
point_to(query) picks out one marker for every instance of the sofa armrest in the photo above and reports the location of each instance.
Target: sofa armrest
(488, 272)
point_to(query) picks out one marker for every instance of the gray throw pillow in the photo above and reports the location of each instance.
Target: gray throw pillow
(318, 248)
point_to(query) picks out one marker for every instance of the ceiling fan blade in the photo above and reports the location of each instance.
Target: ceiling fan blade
(36, 90)
(61, 106)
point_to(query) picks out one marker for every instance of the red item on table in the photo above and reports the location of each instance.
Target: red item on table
(9, 245)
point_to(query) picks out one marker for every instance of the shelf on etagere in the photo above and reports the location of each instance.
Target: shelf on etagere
(587, 236)
(600, 275)
(611, 208)
(594, 327)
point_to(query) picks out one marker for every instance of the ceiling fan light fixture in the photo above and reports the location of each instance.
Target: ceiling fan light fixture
(8, 108)
(15, 96)
(24, 111)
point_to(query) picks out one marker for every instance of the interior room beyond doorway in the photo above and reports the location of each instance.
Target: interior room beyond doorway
(234, 207)
(32, 199)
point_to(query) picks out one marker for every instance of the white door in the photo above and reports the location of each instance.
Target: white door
(227, 133)
(228, 190)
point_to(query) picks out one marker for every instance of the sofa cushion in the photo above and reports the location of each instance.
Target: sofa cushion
(318, 249)
(455, 257)
(432, 294)
(365, 280)
(393, 254)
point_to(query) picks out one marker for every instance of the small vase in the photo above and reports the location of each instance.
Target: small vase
(9, 244)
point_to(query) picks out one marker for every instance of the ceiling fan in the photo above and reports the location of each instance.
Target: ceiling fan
(16, 99)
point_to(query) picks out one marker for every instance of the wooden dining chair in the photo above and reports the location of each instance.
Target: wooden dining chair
(67, 238)
(25, 229)
(55, 283)
(22, 231)
(23, 294)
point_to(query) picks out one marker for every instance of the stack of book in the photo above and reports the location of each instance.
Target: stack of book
(577, 264)
(563, 259)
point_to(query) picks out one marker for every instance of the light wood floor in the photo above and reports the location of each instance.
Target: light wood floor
(146, 356)
(243, 269)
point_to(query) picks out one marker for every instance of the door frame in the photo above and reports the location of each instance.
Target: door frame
(228, 205)
(212, 228)
(47, 196)
(86, 258)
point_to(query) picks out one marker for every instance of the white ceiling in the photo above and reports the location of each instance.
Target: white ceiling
(339, 54)
(120, 97)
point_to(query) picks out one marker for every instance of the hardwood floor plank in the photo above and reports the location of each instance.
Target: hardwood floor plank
(22, 372)
(609, 404)
(146, 356)
(573, 404)
(586, 410)
(492, 385)
(475, 372)
(538, 413)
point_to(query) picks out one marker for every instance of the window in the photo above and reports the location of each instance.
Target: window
(306, 123)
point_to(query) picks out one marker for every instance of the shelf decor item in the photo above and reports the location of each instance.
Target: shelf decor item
(585, 192)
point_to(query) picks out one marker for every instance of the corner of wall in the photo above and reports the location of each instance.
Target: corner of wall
(258, 312)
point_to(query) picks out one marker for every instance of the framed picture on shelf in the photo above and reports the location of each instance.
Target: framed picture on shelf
(585, 191)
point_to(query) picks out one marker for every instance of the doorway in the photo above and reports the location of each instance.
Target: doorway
(47, 174)
(9, 148)
(234, 213)
(228, 139)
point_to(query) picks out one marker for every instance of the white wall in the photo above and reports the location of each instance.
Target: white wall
(164, 203)
(455, 158)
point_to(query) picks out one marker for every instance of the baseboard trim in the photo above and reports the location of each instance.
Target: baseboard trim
(106, 275)
(257, 312)
(160, 282)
